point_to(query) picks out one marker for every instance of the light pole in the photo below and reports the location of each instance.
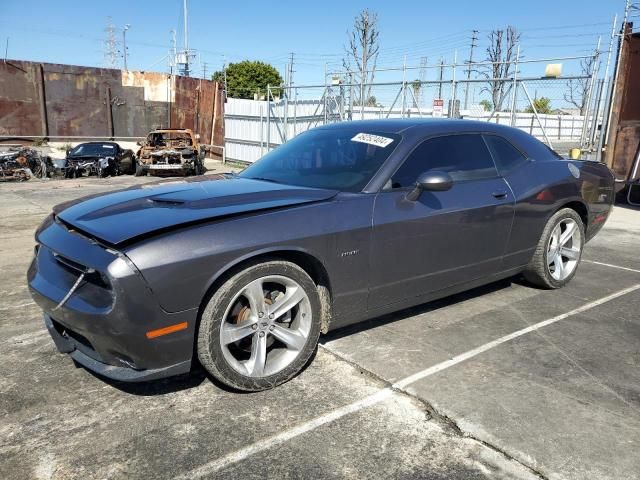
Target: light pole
(124, 44)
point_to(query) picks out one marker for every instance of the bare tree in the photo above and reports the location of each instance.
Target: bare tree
(579, 88)
(362, 53)
(501, 52)
(416, 86)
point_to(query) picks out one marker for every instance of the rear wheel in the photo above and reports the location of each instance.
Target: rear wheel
(559, 251)
(261, 327)
(127, 165)
(140, 171)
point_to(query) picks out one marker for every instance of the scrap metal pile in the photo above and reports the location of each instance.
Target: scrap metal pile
(22, 163)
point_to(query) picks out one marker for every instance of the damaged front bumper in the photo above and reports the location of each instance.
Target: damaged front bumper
(169, 160)
(80, 353)
(103, 320)
(97, 167)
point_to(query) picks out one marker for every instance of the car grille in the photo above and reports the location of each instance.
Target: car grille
(90, 275)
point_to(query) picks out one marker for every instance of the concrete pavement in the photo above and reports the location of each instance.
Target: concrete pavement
(559, 401)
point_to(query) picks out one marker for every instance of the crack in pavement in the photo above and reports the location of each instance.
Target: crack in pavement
(445, 421)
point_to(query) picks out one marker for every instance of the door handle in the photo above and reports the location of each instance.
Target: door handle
(500, 194)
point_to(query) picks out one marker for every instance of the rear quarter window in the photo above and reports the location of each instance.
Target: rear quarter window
(531, 146)
(506, 156)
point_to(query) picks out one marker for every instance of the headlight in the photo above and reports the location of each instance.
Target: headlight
(45, 224)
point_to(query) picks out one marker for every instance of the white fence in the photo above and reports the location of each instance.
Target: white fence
(250, 130)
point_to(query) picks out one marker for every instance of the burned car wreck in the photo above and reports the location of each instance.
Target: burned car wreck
(102, 159)
(22, 163)
(170, 152)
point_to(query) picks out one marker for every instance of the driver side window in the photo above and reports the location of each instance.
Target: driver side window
(464, 157)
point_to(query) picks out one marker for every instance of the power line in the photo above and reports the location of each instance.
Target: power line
(568, 35)
(428, 41)
(562, 27)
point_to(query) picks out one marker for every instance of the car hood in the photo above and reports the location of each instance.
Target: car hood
(86, 158)
(122, 216)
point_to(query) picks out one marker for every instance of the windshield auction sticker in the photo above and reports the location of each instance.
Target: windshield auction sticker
(376, 140)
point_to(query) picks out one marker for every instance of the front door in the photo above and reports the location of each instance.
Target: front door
(444, 238)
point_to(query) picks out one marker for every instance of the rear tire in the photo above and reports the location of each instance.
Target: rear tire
(238, 341)
(140, 171)
(127, 166)
(559, 251)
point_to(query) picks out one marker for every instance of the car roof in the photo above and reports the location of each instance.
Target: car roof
(414, 129)
(97, 143)
(424, 125)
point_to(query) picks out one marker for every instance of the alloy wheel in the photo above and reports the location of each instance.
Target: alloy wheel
(266, 326)
(563, 251)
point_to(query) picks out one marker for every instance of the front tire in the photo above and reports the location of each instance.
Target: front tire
(559, 251)
(261, 326)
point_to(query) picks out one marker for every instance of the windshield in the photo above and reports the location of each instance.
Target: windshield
(102, 149)
(336, 159)
(169, 139)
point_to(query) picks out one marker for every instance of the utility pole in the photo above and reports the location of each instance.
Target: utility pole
(441, 77)
(186, 39)
(110, 46)
(474, 39)
(423, 77)
(125, 53)
(204, 70)
(224, 73)
(173, 52)
(185, 57)
(291, 71)
(173, 62)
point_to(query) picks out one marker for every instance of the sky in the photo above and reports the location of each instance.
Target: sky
(73, 32)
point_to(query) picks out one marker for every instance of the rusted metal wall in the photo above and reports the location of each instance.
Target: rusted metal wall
(624, 125)
(52, 100)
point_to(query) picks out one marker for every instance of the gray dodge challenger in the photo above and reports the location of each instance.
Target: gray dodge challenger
(242, 273)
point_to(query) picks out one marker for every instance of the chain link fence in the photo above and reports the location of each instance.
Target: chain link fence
(564, 111)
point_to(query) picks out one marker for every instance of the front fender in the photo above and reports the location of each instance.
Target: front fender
(181, 266)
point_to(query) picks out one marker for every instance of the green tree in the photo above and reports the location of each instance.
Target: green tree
(486, 105)
(372, 101)
(542, 104)
(247, 78)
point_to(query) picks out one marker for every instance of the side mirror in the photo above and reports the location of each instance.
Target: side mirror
(433, 181)
(68, 150)
(139, 143)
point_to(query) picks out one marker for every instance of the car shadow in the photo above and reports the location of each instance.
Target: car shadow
(186, 381)
(421, 309)
(151, 388)
(198, 374)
